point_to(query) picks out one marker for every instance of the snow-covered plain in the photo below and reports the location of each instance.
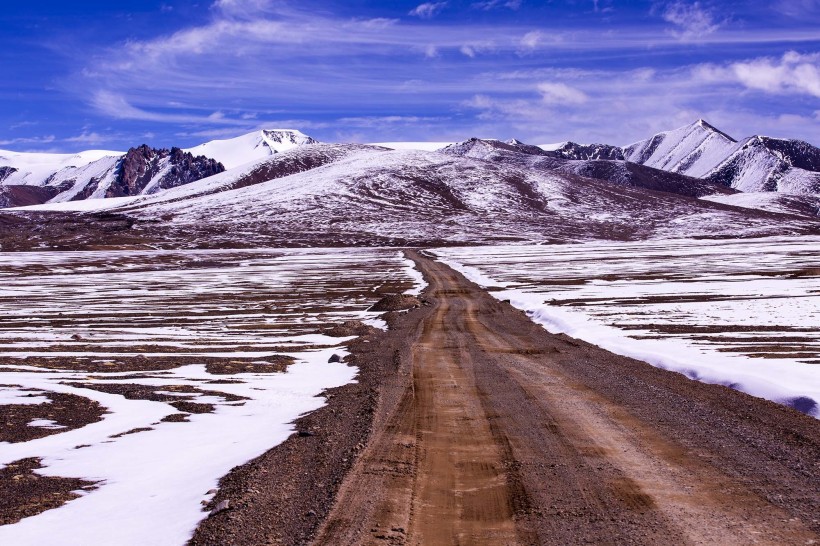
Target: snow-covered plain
(740, 313)
(68, 315)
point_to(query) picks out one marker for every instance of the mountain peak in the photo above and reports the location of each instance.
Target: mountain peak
(705, 125)
(252, 146)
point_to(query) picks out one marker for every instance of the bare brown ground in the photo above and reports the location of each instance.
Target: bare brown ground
(496, 432)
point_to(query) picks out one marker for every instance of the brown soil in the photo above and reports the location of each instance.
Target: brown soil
(481, 427)
(24, 493)
(69, 410)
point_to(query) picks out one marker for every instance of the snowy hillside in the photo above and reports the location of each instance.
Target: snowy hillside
(32, 179)
(754, 164)
(584, 161)
(252, 146)
(802, 204)
(35, 169)
(354, 194)
(766, 164)
(694, 150)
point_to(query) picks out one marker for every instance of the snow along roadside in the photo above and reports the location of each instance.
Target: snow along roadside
(775, 381)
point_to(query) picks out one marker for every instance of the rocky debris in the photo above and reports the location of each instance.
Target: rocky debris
(349, 328)
(133, 391)
(140, 166)
(176, 418)
(334, 358)
(396, 302)
(221, 507)
(272, 364)
(132, 431)
(67, 410)
(24, 493)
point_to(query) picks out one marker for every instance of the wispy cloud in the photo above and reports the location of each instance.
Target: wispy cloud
(428, 10)
(116, 106)
(619, 107)
(691, 21)
(493, 4)
(249, 61)
(561, 93)
(47, 139)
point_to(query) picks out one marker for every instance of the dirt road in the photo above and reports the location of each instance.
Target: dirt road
(494, 431)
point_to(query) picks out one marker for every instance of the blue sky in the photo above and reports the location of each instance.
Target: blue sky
(102, 74)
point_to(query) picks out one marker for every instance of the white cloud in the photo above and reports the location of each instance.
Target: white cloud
(314, 61)
(791, 74)
(693, 21)
(116, 106)
(561, 93)
(428, 10)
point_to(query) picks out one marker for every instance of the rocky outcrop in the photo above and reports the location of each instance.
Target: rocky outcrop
(148, 170)
(479, 148)
(573, 150)
(5, 172)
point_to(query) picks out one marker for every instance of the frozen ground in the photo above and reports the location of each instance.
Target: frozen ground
(742, 313)
(201, 360)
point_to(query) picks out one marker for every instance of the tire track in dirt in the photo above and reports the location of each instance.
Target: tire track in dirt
(496, 432)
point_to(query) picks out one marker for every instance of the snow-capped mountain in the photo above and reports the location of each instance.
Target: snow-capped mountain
(755, 164)
(694, 150)
(347, 194)
(619, 172)
(767, 164)
(252, 146)
(35, 178)
(38, 178)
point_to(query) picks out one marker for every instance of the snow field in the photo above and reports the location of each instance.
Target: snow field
(173, 307)
(744, 313)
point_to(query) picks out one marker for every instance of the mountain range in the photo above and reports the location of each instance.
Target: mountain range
(753, 164)
(283, 188)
